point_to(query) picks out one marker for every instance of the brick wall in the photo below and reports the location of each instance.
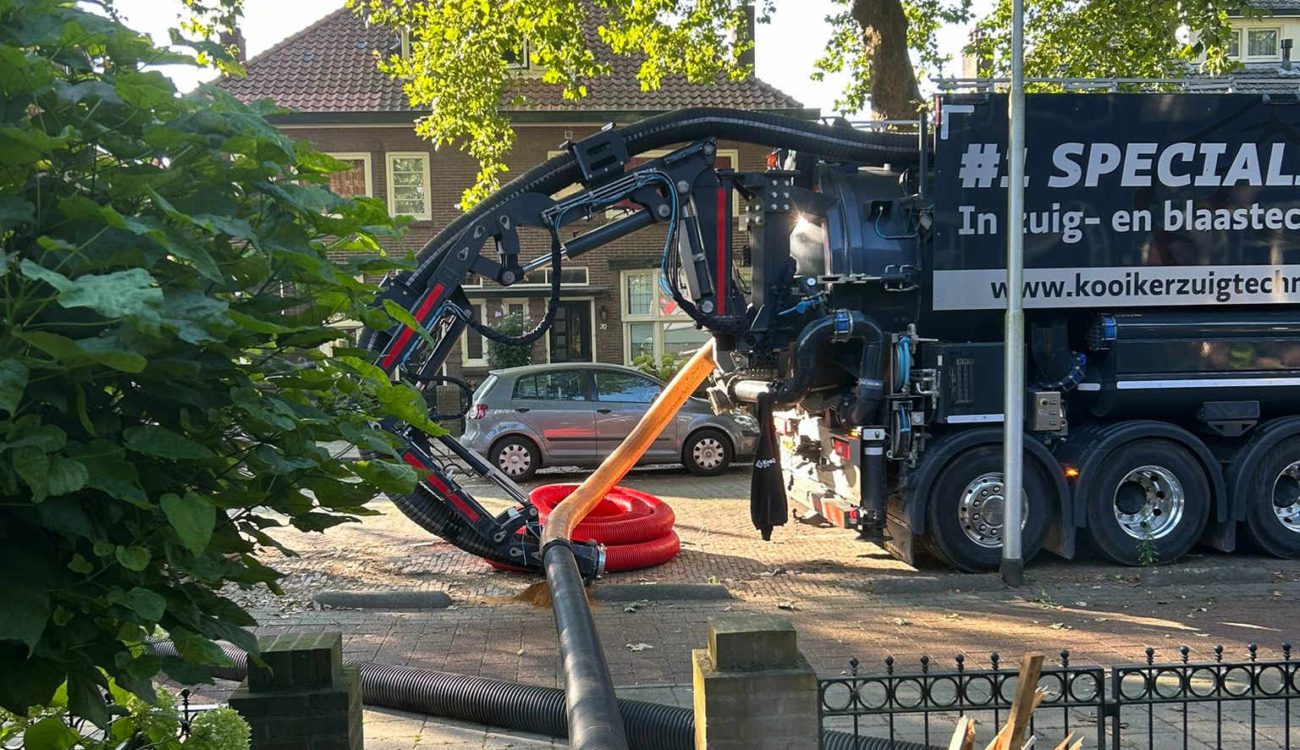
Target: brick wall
(451, 171)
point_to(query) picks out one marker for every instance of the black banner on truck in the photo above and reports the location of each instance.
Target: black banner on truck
(1131, 200)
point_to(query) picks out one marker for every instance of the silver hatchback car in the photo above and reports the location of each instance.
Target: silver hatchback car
(524, 418)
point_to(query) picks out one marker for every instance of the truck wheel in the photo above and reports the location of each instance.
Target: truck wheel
(1273, 505)
(1148, 503)
(517, 457)
(707, 453)
(965, 518)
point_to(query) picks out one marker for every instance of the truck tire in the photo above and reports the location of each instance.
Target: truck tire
(964, 523)
(517, 457)
(1273, 502)
(1148, 504)
(707, 453)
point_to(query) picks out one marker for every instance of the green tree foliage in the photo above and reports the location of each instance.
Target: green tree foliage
(500, 356)
(165, 291)
(459, 68)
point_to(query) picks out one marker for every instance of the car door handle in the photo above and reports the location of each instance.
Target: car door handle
(604, 411)
(522, 409)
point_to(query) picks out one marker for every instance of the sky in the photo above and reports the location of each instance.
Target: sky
(786, 47)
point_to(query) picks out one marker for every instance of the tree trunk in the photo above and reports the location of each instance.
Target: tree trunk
(895, 94)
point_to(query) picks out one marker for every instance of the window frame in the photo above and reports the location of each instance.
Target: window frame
(1236, 36)
(657, 319)
(364, 157)
(389, 158)
(1276, 54)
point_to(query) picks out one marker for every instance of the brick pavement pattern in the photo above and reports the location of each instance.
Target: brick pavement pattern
(845, 596)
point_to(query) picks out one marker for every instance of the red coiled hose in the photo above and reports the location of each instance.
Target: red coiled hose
(635, 527)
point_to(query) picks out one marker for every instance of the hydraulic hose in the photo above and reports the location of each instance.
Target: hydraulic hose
(520, 707)
(843, 325)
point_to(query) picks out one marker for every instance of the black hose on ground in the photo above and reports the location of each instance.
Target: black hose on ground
(519, 707)
(591, 708)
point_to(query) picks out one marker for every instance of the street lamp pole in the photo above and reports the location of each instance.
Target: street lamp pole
(1013, 563)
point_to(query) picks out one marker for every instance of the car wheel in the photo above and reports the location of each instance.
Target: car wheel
(517, 457)
(965, 510)
(1148, 504)
(1273, 505)
(707, 453)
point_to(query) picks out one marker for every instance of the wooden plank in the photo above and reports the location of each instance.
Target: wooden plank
(963, 737)
(1022, 707)
(1065, 743)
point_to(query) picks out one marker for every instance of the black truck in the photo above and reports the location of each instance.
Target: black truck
(1162, 272)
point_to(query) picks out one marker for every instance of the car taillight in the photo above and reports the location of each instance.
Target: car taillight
(478, 412)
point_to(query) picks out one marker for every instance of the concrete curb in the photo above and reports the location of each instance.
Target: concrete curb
(922, 584)
(660, 592)
(383, 599)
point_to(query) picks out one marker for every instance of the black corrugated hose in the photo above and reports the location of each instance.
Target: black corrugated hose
(519, 707)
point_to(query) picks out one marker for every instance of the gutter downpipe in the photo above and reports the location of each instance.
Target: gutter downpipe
(592, 710)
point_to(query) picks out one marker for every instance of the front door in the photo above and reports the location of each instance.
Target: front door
(621, 398)
(571, 334)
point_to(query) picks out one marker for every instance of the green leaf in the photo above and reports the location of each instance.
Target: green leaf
(106, 351)
(50, 733)
(197, 649)
(145, 90)
(80, 565)
(66, 475)
(26, 608)
(132, 558)
(15, 211)
(193, 517)
(161, 442)
(120, 294)
(386, 476)
(148, 604)
(86, 696)
(110, 472)
(33, 466)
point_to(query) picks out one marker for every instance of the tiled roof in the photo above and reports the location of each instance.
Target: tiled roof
(1276, 7)
(330, 67)
(1252, 78)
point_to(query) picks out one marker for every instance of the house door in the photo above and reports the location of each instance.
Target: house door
(571, 334)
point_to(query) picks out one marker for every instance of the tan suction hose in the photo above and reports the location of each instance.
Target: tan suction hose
(577, 505)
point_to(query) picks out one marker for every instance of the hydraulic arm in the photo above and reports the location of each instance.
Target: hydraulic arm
(684, 193)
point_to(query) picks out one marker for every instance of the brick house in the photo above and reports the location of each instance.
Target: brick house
(611, 308)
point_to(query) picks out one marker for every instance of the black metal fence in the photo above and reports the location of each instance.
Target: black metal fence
(1189, 704)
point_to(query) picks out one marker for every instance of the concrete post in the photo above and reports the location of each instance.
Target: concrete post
(753, 689)
(304, 698)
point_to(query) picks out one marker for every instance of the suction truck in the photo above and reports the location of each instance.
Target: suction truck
(862, 318)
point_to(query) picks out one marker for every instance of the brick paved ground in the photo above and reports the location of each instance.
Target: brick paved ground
(845, 596)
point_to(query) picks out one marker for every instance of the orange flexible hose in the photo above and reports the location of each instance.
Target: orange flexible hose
(576, 506)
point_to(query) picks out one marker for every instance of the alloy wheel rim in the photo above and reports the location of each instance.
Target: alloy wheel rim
(1149, 502)
(1286, 497)
(981, 510)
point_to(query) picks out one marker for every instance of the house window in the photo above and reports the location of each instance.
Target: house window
(1234, 43)
(354, 181)
(473, 348)
(1262, 43)
(408, 184)
(652, 322)
(518, 59)
(572, 276)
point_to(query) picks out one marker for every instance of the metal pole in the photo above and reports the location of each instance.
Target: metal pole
(1013, 563)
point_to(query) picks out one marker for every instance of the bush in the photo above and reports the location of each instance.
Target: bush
(500, 356)
(165, 287)
(665, 368)
(218, 729)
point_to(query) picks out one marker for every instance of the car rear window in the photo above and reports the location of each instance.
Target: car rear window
(551, 386)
